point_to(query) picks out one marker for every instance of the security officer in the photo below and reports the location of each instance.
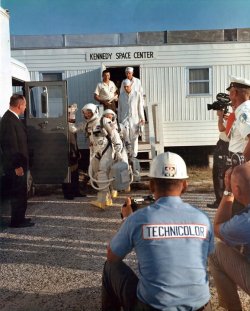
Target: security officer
(15, 158)
(172, 241)
(104, 147)
(239, 144)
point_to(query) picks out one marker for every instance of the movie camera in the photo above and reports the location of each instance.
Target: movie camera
(139, 202)
(236, 159)
(222, 103)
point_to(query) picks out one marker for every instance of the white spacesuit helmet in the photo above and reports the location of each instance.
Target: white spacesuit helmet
(109, 111)
(93, 108)
(168, 165)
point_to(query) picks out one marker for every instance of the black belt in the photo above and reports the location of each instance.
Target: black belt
(231, 153)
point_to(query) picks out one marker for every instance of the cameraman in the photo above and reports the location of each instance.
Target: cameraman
(220, 155)
(239, 143)
(172, 241)
(239, 93)
(229, 266)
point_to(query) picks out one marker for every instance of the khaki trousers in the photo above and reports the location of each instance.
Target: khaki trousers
(229, 268)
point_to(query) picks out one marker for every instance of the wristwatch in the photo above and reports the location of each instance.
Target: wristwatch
(227, 193)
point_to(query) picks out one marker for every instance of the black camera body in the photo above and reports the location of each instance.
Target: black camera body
(237, 159)
(222, 103)
(139, 202)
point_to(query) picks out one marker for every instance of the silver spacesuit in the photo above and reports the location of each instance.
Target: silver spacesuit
(105, 147)
(114, 128)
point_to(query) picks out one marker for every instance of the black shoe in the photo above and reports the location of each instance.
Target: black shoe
(79, 195)
(22, 225)
(26, 220)
(68, 197)
(213, 205)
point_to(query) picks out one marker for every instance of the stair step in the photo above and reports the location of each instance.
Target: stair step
(144, 160)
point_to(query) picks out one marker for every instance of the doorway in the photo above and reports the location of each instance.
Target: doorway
(117, 74)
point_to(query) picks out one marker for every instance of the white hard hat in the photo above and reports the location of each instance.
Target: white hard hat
(168, 165)
(93, 108)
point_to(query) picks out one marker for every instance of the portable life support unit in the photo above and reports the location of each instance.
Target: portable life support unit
(120, 177)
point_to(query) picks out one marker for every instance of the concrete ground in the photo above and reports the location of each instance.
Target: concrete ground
(57, 264)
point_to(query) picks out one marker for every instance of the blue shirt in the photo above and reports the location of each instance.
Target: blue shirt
(236, 231)
(172, 241)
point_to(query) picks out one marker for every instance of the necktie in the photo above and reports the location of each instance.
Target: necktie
(230, 122)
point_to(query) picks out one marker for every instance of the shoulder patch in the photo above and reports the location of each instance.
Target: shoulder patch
(243, 117)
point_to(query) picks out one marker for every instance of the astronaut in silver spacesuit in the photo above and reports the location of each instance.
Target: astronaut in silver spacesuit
(114, 128)
(105, 147)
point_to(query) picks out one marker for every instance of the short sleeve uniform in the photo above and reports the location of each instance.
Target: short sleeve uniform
(236, 231)
(240, 128)
(172, 240)
(106, 91)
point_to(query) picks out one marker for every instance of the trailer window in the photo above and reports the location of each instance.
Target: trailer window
(52, 76)
(46, 102)
(198, 81)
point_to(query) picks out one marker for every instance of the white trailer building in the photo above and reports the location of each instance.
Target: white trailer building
(181, 72)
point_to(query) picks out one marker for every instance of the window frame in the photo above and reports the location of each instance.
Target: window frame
(41, 75)
(188, 81)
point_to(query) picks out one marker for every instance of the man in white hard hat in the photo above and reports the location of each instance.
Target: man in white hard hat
(172, 241)
(239, 142)
(131, 113)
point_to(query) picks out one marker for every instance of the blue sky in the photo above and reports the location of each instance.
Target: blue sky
(36, 17)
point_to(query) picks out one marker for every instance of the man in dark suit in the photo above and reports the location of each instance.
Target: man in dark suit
(13, 142)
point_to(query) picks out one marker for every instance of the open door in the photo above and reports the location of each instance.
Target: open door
(46, 120)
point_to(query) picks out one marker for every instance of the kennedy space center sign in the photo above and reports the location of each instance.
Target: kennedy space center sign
(121, 55)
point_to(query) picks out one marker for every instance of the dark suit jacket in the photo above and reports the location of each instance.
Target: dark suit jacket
(13, 142)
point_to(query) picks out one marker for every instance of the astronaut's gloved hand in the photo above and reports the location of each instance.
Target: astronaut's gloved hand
(72, 128)
(129, 151)
(118, 156)
(118, 148)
